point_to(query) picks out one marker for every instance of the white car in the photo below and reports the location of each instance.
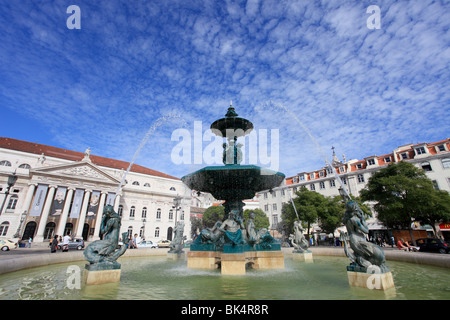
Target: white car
(7, 244)
(147, 244)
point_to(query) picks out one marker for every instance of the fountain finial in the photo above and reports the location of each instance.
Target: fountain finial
(231, 112)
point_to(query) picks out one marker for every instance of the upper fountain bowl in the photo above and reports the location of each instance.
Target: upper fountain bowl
(238, 126)
(233, 181)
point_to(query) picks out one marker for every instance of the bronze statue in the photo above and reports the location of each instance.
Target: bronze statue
(298, 240)
(365, 256)
(102, 254)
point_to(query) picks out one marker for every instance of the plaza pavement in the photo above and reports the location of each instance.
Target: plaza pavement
(39, 255)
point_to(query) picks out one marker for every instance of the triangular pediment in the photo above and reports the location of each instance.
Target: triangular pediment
(82, 170)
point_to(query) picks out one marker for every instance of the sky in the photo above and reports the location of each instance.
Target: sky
(312, 71)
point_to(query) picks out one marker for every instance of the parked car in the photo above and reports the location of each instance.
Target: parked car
(163, 243)
(77, 243)
(6, 244)
(433, 245)
(147, 244)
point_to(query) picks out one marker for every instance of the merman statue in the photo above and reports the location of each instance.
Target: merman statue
(102, 254)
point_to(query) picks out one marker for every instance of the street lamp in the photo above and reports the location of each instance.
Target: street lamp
(22, 219)
(11, 181)
(176, 206)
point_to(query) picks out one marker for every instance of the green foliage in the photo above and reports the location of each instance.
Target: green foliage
(403, 193)
(260, 220)
(213, 214)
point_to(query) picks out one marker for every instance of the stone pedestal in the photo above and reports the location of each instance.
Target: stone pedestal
(203, 259)
(303, 256)
(175, 255)
(377, 281)
(233, 260)
(93, 276)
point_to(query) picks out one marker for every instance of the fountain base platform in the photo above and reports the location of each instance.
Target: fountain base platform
(176, 255)
(234, 259)
(94, 276)
(377, 281)
(302, 256)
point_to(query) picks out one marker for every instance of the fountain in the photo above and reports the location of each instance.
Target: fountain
(230, 244)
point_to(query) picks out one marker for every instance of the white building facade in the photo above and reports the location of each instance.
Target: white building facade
(434, 158)
(58, 192)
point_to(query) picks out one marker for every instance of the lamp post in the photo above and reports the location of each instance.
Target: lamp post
(11, 181)
(176, 206)
(22, 219)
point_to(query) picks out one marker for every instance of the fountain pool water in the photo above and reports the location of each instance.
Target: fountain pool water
(156, 278)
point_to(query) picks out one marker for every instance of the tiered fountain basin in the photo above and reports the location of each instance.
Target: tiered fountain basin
(233, 183)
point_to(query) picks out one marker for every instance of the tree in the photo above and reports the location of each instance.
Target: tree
(330, 218)
(403, 193)
(308, 205)
(212, 215)
(260, 220)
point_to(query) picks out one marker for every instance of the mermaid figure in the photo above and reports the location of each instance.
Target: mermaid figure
(102, 254)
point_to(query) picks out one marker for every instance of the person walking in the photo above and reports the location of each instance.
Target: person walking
(29, 242)
(54, 244)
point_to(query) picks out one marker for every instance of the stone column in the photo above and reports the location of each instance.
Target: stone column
(29, 197)
(44, 216)
(65, 213)
(98, 221)
(82, 217)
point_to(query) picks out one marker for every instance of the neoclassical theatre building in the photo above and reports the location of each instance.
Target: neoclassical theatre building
(47, 191)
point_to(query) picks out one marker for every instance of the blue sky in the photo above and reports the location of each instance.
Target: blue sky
(363, 91)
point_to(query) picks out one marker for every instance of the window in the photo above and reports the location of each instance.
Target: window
(157, 232)
(182, 215)
(426, 166)
(441, 148)
(274, 194)
(274, 221)
(322, 185)
(420, 150)
(387, 159)
(170, 214)
(312, 187)
(295, 180)
(360, 178)
(158, 214)
(311, 176)
(371, 162)
(359, 166)
(120, 210)
(435, 184)
(135, 183)
(344, 180)
(294, 189)
(12, 203)
(265, 195)
(25, 166)
(329, 170)
(266, 207)
(302, 177)
(132, 211)
(147, 184)
(5, 163)
(282, 192)
(332, 183)
(446, 163)
(4, 228)
(141, 232)
(144, 212)
(274, 207)
(404, 155)
(341, 169)
(130, 231)
(321, 174)
(173, 189)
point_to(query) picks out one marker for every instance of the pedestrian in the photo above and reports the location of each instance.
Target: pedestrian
(54, 244)
(65, 244)
(29, 242)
